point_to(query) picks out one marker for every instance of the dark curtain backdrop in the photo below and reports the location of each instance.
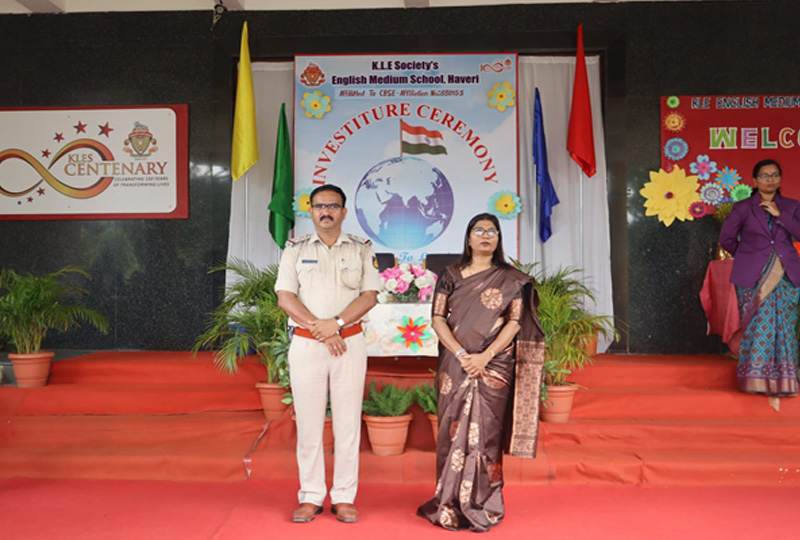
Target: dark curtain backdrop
(151, 276)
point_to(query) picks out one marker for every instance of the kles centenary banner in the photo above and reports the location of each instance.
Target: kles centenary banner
(94, 163)
(419, 143)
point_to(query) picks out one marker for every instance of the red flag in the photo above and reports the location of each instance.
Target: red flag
(580, 140)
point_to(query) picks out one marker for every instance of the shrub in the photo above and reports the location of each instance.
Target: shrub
(390, 401)
(426, 397)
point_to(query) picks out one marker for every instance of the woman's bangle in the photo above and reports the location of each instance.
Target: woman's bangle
(459, 352)
(491, 353)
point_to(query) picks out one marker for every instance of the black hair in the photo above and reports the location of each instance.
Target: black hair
(764, 163)
(498, 257)
(329, 187)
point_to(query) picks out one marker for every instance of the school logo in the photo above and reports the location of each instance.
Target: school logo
(140, 142)
(312, 75)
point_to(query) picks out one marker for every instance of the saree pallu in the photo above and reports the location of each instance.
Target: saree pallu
(768, 353)
(479, 418)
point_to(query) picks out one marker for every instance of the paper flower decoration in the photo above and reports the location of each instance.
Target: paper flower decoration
(669, 195)
(673, 102)
(501, 96)
(741, 192)
(676, 149)
(703, 167)
(711, 194)
(698, 209)
(302, 203)
(316, 104)
(674, 121)
(505, 204)
(727, 178)
(412, 333)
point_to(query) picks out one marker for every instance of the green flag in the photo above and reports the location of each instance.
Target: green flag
(281, 213)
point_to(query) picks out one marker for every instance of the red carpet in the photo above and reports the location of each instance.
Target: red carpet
(116, 510)
(660, 420)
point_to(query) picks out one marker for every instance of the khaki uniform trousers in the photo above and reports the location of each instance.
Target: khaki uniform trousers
(314, 372)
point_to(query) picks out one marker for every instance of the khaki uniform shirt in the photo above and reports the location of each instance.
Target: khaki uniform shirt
(327, 280)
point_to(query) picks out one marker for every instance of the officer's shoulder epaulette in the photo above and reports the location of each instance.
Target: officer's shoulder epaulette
(298, 240)
(359, 240)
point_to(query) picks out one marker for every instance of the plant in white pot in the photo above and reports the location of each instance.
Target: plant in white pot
(32, 305)
(247, 320)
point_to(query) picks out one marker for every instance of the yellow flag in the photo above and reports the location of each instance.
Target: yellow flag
(244, 153)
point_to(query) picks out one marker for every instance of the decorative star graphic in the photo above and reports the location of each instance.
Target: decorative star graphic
(19, 202)
(59, 137)
(30, 199)
(104, 130)
(45, 153)
(40, 191)
(80, 128)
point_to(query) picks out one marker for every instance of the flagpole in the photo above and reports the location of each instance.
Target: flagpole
(580, 209)
(246, 218)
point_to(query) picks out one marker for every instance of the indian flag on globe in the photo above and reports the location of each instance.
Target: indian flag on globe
(418, 140)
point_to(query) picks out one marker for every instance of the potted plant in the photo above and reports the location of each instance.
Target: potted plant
(249, 319)
(30, 306)
(387, 418)
(426, 397)
(568, 327)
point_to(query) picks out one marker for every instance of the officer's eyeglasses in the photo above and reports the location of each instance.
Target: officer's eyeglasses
(335, 207)
(491, 233)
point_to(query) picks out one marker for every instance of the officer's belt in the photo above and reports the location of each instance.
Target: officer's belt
(345, 332)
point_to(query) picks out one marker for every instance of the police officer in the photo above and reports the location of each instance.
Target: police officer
(327, 282)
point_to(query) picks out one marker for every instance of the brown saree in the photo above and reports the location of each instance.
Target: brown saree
(479, 418)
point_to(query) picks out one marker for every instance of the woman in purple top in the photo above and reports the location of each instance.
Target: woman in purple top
(766, 273)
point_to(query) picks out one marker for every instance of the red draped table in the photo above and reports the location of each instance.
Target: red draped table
(719, 302)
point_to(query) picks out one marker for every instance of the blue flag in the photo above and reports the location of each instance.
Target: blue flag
(547, 195)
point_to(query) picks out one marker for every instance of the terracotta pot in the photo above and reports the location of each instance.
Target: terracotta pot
(271, 395)
(388, 434)
(327, 436)
(31, 370)
(591, 345)
(558, 404)
(434, 425)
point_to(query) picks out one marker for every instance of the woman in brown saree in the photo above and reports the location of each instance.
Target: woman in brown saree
(491, 353)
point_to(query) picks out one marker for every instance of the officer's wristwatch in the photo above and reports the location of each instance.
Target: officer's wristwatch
(340, 322)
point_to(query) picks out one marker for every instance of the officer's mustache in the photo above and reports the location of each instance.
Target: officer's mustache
(326, 217)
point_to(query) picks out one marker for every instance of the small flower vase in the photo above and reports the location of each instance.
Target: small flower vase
(407, 297)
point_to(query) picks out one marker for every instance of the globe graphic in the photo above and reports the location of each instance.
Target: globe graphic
(404, 203)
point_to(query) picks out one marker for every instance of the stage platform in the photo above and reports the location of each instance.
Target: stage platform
(641, 420)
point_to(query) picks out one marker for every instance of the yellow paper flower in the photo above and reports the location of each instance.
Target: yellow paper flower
(316, 104)
(505, 204)
(501, 96)
(669, 195)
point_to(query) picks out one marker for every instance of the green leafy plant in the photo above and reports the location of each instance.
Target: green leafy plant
(722, 211)
(390, 401)
(426, 397)
(32, 305)
(248, 318)
(567, 324)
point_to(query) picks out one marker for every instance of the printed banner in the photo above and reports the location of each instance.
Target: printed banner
(720, 138)
(94, 163)
(419, 143)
